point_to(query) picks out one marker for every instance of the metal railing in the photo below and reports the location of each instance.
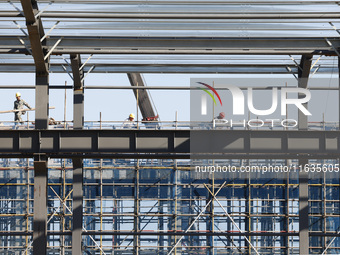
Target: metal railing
(182, 125)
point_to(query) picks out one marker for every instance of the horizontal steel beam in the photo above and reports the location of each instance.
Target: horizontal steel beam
(92, 87)
(170, 143)
(94, 141)
(178, 15)
(212, 2)
(166, 68)
(179, 45)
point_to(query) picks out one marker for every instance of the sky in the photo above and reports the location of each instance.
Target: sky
(116, 105)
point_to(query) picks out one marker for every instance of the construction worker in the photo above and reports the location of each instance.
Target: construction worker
(221, 116)
(129, 122)
(18, 105)
(220, 121)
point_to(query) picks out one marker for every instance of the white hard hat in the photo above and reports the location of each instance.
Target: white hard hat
(18, 94)
(132, 115)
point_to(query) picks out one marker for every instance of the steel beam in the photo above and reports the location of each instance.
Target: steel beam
(179, 45)
(90, 87)
(201, 16)
(303, 210)
(213, 2)
(78, 74)
(78, 124)
(78, 96)
(77, 216)
(303, 75)
(159, 67)
(41, 101)
(170, 143)
(211, 142)
(40, 207)
(144, 101)
(162, 68)
(36, 32)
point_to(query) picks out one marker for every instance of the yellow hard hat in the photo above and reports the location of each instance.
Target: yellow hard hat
(132, 115)
(18, 94)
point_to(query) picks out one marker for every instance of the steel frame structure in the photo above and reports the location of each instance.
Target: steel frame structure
(44, 197)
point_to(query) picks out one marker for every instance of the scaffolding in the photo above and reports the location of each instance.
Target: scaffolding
(80, 189)
(148, 205)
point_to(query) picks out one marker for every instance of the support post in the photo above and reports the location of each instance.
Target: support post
(303, 210)
(36, 33)
(40, 207)
(78, 123)
(77, 206)
(339, 92)
(303, 76)
(41, 101)
(78, 96)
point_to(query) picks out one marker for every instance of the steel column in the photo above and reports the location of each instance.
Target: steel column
(77, 206)
(36, 32)
(40, 207)
(144, 102)
(78, 123)
(78, 98)
(78, 109)
(339, 91)
(41, 101)
(303, 75)
(303, 210)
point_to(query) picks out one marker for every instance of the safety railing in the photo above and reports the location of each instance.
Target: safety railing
(181, 125)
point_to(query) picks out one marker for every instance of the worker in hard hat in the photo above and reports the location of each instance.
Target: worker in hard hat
(221, 116)
(19, 105)
(219, 121)
(130, 122)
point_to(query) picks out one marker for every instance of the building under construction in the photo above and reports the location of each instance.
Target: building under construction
(99, 188)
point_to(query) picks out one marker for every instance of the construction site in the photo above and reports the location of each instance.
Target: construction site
(184, 185)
